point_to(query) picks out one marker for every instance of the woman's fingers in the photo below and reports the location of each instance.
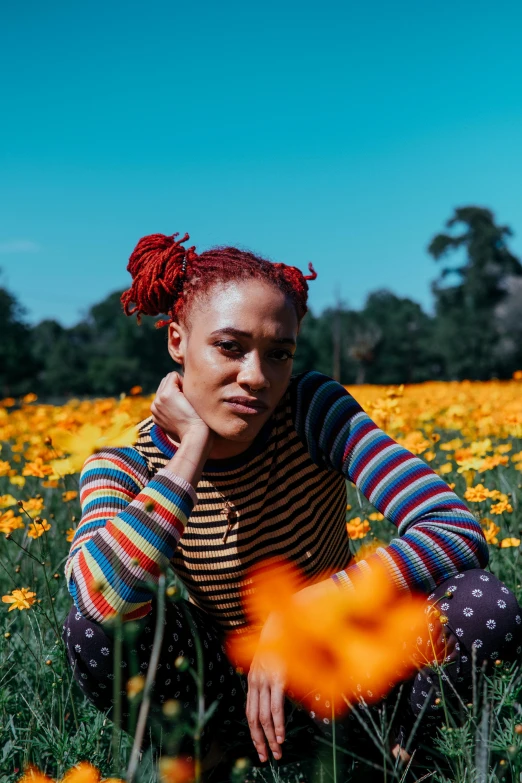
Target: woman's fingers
(252, 713)
(266, 721)
(278, 712)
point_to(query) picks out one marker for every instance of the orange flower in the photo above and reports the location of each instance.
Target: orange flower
(20, 599)
(365, 638)
(492, 462)
(175, 770)
(82, 773)
(31, 397)
(37, 468)
(517, 375)
(477, 494)
(500, 507)
(71, 494)
(136, 390)
(69, 534)
(507, 542)
(357, 528)
(33, 775)
(491, 530)
(10, 522)
(33, 506)
(135, 685)
(37, 529)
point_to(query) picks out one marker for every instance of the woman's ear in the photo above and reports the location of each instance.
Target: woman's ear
(177, 342)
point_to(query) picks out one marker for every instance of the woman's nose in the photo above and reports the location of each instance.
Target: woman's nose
(252, 374)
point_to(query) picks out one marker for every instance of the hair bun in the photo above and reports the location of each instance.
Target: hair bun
(156, 266)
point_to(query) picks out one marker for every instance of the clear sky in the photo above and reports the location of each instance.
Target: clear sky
(342, 133)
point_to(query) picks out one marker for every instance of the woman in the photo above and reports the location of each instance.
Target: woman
(241, 461)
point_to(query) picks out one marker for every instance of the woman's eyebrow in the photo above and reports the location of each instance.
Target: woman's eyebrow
(239, 333)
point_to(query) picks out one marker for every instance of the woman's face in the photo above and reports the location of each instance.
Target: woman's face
(238, 344)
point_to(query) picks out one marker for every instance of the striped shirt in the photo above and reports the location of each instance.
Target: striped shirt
(287, 495)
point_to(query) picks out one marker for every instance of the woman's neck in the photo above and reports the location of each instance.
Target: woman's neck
(222, 448)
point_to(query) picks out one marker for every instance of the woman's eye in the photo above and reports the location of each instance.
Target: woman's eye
(283, 356)
(229, 345)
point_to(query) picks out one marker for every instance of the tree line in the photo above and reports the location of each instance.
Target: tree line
(474, 333)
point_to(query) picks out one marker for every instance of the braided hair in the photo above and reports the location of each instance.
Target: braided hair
(167, 277)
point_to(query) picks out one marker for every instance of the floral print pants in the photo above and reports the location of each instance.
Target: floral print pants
(482, 614)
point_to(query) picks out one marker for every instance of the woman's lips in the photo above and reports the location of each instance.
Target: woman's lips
(245, 407)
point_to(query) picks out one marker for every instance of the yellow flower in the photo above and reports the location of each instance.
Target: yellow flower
(71, 494)
(37, 529)
(500, 507)
(357, 528)
(492, 462)
(507, 542)
(490, 530)
(18, 481)
(135, 685)
(176, 770)
(6, 501)
(69, 534)
(376, 516)
(477, 494)
(5, 467)
(37, 468)
(429, 455)
(447, 467)
(10, 522)
(452, 445)
(20, 599)
(33, 506)
(89, 439)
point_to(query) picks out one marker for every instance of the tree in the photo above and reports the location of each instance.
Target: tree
(17, 365)
(466, 327)
(406, 351)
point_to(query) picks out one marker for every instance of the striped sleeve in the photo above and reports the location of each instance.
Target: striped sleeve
(128, 532)
(438, 534)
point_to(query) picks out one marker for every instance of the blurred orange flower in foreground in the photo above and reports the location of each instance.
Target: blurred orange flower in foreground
(81, 773)
(363, 639)
(176, 770)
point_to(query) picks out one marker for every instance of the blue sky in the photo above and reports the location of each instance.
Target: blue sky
(340, 133)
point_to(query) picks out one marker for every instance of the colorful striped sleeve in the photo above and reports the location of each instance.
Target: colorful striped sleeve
(438, 534)
(128, 532)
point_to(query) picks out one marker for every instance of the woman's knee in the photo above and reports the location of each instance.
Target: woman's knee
(482, 614)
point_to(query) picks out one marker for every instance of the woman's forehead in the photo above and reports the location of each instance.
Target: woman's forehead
(248, 306)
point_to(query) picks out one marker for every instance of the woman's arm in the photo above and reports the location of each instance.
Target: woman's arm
(439, 536)
(130, 526)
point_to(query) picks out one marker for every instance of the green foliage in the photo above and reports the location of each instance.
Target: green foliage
(17, 364)
(467, 328)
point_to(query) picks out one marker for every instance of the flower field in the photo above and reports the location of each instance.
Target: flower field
(470, 433)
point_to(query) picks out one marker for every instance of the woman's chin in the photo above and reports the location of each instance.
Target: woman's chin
(238, 430)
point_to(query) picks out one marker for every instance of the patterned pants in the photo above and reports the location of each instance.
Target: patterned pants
(482, 613)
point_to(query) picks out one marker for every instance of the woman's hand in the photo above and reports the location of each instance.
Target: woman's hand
(172, 411)
(266, 696)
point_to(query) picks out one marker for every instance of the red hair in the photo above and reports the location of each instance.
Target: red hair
(167, 277)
